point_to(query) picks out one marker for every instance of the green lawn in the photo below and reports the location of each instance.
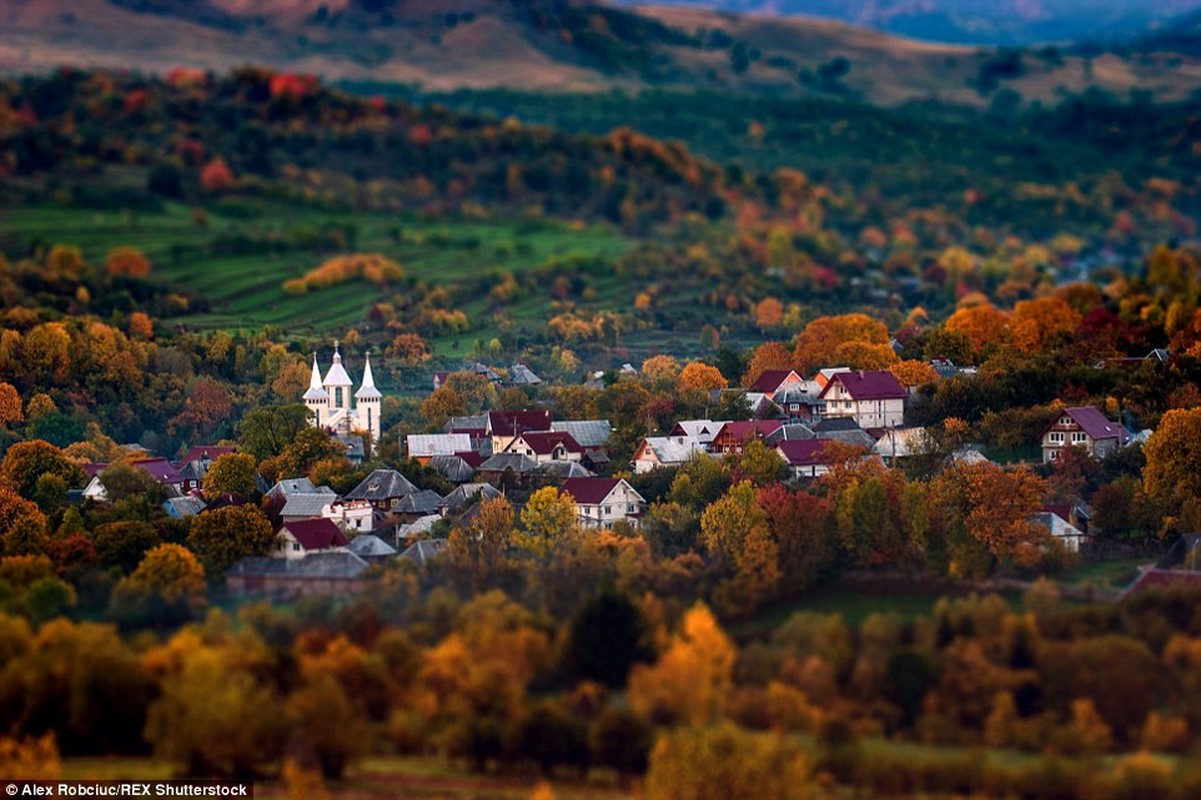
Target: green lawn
(245, 290)
(1115, 574)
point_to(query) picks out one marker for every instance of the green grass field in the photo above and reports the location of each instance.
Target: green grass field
(245, 290)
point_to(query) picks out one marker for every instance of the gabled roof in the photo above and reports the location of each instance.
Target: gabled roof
(564, 469)
(742, 430)
(289, 486)
(368, 545)
(672, 449)
(543, 443)
(1162, 580)
(162, 470)
(465, 493)
(521, 375)
(588, 432)
(425, 501)
(875, 384)
(517, 462)
(771, 380)
(381, 484)
(789, 431)
(804, 452)
(701, 429)
(423, 551)
(832, 424)
(469, 424)
(591, 491)
(206, 452)
(186, 506)
(511, 423)
(453, 468)
(1096, 424)
(301, 505)
(316, 534)
(423, 445)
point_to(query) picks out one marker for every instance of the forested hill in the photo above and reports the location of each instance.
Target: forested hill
(192, 135)
(558, 45)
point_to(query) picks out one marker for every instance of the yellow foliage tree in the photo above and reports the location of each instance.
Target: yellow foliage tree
(689, 682)
(698, 377)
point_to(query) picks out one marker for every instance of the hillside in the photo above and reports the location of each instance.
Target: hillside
(553, 45)
(978, 22)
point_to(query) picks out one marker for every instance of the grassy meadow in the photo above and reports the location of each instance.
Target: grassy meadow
(244, 288)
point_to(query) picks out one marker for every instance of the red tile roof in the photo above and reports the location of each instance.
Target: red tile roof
(804, 452)
(870, 385)
(207, 451)
(316, 534)
(769, 382)
(1096, 424)
(544, 443)
(743, 430)
(589, 491)
(472, 458)
(160, 469)
(511, 423)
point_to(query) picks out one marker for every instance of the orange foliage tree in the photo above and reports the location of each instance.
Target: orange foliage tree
(127, 261)
(699, 377)
(982, 325)
(818, 344)
(216, 176)
(1036, 323)
(767, 356)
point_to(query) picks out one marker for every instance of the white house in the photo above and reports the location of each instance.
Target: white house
(546, 446)
(874, 399)
(666, 451)
(298, 539)
(599, 502)
(350, 515)
(1085, 427)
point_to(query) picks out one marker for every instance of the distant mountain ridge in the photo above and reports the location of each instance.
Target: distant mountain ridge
(982, 22)
(561, 45)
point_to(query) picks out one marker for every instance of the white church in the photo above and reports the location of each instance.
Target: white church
(328, 400)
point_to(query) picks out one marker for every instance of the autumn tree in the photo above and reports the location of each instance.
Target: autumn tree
(1173, 472)
(661, 370)
(689, 682)
(442, 404)
(207, 405)
(767, 356)
(215, 717)
(166, 588)
(725, 761)
(986, 513)
(222, 537)
(982, 325)
(818, 343)
(230, 473)
(699, 377)
(548, 521)
(128, 262)
(309, 447)
(1039, 323)
(913, 373)
(216, 177)
(483, 542)
(26, 462)
(10, 405)
(606, 637)
(22, 525)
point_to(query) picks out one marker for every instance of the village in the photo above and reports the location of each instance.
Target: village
(325, 541)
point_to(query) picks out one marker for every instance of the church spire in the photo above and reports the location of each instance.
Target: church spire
(316, 390)
(367, 391)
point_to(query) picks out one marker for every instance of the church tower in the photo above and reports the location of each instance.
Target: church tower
(367, 404)
(337, 385)
(316, 398)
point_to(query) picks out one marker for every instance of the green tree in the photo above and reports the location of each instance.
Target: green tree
(605, 639)
(222, 537)
(265, 432)
(230, 473)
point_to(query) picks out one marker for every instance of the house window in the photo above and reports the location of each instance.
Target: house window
(1056, 437)
(295, 547)
(1065, 421)
(630, 509)
(608, 509)
(1055, 455)
(1079, 438)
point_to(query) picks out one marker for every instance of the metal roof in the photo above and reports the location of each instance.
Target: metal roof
(588, 432)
